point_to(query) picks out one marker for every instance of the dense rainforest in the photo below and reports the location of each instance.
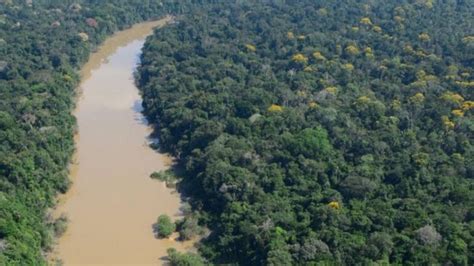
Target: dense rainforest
(307, 132)
(321, 132)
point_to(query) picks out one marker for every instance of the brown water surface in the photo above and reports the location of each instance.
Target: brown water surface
(113, 202)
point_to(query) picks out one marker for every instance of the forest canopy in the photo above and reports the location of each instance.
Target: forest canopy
(321, 132)
(309, 132)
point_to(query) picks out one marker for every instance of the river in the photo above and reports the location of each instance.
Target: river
(113, 203)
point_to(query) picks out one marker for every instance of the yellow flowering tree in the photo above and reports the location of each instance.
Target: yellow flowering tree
(368, 52)
(448, 124)
(467, 105)
(251, 47)
(452, 97)
(366, 21)
(377, 29)
(290, 35)
(418, 98)
(300, 58)
(313, 105)
(275, 108)
(319, 56)
(352, 50)
(424, 37)
(334, 205)
(468, 39)
(457, 112)
(348, 67)
(331, 90)
(323, 12)
(363, 100)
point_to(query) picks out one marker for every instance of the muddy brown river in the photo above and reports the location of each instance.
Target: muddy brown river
(113, 203)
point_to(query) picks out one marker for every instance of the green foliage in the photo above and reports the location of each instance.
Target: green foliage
(392, 144)
(167, 176)
(310, 143)
(344, 138)
(60, 225)
(188, 228)
(184, 259)
(164, 226)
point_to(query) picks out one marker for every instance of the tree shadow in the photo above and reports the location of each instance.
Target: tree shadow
(165, 260)
(155, 231)
(139, 116)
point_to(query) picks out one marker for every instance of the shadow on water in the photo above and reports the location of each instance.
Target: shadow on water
(165, 260)
(152, 140)
(138, 110)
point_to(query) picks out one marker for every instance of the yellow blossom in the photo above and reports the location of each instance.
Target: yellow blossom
(424, 37)
(420, 75)
(377, 29)
(366, 21)
(318, 56)
(408, 49)
(431, 78)
(468, 105)
(448, 124)
(322, 11)
(67, 78)
(421, 53)
(251, 47)
(450, 77)
(331, 90)
(300, 58)
(396, 104)
(417, 98)
(452, 97)
(301, 93)
(457, 112)
(348, 67)
(465, 84)
(313, 105)
(275, 108)
(368, 52)
(363, 100)
(290, 35)
(301, 37)
(468, 39)
(429, 4)
(334, 205)
(355, 29)
(352, 50)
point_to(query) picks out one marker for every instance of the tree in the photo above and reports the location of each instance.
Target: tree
(164, 227)
(188, 259)
(356, 186)
(428, 235)
(188, 228)
(312, 249)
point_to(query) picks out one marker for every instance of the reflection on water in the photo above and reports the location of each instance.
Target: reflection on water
(113, 202)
